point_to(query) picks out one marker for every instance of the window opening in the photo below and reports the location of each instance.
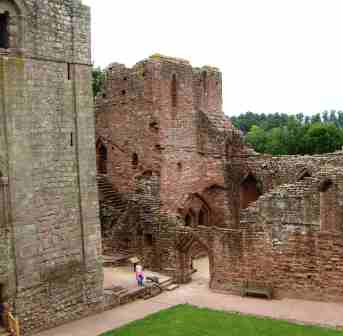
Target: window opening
(204, 81)
(134, 160)
(4, 33)
(202, 218)
(103, 159)
(188, 220)
(174, 90)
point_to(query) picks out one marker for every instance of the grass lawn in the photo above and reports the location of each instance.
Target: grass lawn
(185, 320)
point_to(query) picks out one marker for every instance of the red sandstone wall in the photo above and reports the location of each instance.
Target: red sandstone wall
(291, 239)
(136, 114)
(127, 123)
(309, 266)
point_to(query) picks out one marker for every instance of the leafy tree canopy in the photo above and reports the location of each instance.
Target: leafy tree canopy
(283, 134)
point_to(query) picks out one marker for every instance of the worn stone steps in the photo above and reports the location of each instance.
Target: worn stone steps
(172, 287)
(110, 197)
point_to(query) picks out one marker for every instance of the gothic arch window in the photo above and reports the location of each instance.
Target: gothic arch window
(4, 33)
(174, 91)
(11, 24)
(250, 191)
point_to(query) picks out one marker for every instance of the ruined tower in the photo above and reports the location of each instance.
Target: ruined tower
(50, 246)
(160, 132)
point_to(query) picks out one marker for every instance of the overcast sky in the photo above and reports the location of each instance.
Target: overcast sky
(275, 55)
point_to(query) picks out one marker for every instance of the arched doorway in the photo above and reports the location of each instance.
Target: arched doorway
(303, 175)
(195, 260)
(249, 191)
(101, 158)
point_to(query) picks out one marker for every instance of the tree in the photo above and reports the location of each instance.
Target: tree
(323, 138)
(257, 138)
(98, 80)
(276, 139)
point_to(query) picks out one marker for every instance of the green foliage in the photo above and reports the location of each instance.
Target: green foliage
(282, 134)
(257, 137)
(98, 80)
(323, 138)
(185, 320)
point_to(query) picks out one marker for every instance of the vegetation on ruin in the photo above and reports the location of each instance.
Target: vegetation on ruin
(98, 80)
(186, 320)
(283, 134)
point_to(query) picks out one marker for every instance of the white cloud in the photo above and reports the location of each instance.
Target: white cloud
(275, 55)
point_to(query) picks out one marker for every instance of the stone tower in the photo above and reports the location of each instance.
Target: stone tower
(160, 132)
(50, 245)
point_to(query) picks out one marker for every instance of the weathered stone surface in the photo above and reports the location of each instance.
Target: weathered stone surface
(161, 143)
(277, 220)
(50, 247)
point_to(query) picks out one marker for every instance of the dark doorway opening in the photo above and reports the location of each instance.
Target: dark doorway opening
(4, 34)
(249, 192)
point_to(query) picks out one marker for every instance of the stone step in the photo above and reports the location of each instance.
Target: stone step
(164, 284)
(172, 287)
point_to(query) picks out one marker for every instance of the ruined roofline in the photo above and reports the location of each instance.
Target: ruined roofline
(162, 59)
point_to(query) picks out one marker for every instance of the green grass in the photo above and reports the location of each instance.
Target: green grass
(186, 320)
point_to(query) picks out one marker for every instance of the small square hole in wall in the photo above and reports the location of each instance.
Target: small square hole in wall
(123, 92)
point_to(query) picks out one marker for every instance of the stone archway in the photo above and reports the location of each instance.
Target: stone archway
(12, 24)
(186, 241)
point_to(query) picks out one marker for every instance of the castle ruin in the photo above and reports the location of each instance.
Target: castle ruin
(173, 178)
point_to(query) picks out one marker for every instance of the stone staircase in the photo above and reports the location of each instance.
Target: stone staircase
(109, 196)
(117, 295)
(169, 285)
